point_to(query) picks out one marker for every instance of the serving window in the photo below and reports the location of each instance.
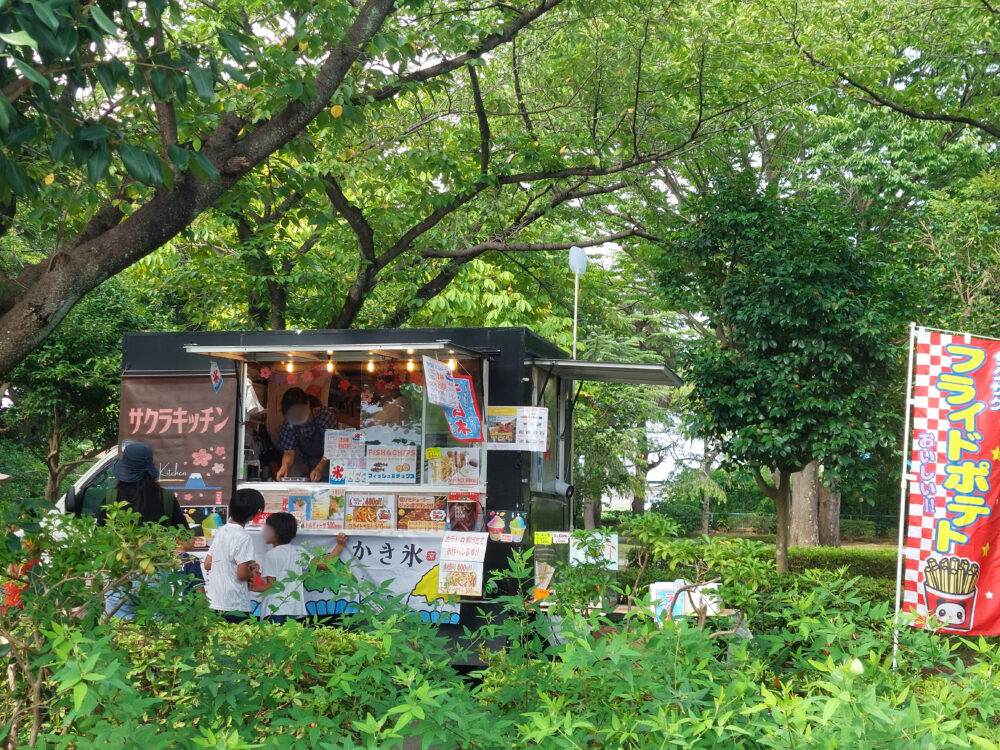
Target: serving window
(394, 460)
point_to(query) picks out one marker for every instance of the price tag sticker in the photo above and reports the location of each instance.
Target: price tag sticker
(433, 453)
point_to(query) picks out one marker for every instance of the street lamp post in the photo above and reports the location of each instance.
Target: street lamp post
(578, 265)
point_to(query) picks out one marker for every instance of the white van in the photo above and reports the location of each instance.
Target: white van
(87, 494)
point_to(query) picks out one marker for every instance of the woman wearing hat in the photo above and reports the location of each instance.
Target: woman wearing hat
(138, 487)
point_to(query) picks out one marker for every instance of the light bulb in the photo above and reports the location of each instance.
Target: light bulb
(371, 365)
(329, 365)
(409, 365)
(289, 366)
(452, 364)
(409, 351)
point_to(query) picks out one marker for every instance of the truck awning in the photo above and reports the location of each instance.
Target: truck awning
(610, 372)
(318, 352)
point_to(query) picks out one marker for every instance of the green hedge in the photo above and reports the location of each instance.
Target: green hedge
(875, 565)
(851, 528)
(872, 563)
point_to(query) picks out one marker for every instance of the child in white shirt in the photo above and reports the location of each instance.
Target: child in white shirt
(230, 564)
(282, 570)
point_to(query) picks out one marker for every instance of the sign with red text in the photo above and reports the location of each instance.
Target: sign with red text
(952, 575)
(439, 383)
(345, 450)
(462, 557)
(191, 428)
(464, 420)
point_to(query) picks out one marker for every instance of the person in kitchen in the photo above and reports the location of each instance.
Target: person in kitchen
(302, 436)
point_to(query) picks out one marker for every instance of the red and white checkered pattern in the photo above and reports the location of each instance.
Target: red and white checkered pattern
(930, 414)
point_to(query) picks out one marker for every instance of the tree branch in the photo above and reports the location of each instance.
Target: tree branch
(355, 218)
(518, 95)
(484, 124)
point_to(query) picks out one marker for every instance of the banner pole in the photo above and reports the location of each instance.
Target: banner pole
(902, 495)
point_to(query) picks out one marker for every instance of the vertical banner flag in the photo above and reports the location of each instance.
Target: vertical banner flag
(952, 578)
(464, 420)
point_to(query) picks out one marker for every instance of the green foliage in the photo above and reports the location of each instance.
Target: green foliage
(801, 366)
(857, 561)
(64, 395)
(686, 511)
(851, 528)
(816, 673)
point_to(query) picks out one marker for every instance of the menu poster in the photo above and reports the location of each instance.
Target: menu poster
(345, 450)
(326, 510)
(422, 512)
(517, 428)
(464, 511)
(370, 511)
(439, 383)
(461, 571)
(298, 506)
(507, 525)
(460, 578)
(392, 464)
(453, 466)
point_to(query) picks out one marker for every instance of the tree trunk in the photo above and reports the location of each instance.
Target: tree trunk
(782, 500)
(829, 516)
(804, 526)
(592, 513)
(781, 496)
(639, 499)
(706, 509)
(53, 456)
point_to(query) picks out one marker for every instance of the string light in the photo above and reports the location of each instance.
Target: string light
(371, 365)
(452, 364)
(289, 366)
(409, 365)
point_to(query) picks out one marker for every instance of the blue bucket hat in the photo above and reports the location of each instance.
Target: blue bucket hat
(136, 460)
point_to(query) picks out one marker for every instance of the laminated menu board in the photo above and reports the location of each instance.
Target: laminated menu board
(453, 466)
(313, 507)
(425, 512)
(460, 578)
(345, 450)
(326, 509)
(507, 525)
(370, 511)
(517, 428)
(392, 464)
(464, 511)
(298, 505)
(461, 571)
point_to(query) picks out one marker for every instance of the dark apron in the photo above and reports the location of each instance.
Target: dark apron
(310, 448)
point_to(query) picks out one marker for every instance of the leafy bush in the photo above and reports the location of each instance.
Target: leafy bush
(854, 528)
(815, 673)
(872, 563)
(686, 511)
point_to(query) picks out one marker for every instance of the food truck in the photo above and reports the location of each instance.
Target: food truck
(441, 449)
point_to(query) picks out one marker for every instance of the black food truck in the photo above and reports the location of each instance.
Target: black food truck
(435, 450)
